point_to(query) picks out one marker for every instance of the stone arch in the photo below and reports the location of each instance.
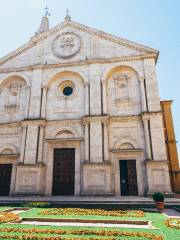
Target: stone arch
(126, 143)
(11, 77)
(65, 134)
(64, 73)
(66, 131)
(126, 146)
(109, 71)
(8, 149)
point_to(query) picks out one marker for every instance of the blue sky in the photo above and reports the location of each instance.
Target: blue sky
(154, 23)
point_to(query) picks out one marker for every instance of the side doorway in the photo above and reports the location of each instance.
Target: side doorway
(5, 179)
(128, 178)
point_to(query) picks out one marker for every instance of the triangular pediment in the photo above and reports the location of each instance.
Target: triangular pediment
(71, 42)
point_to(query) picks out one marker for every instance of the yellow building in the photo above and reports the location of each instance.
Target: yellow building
(172, 155)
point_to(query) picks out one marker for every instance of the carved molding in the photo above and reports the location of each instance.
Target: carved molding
(79, 63)
(148, 115)
(95, 119)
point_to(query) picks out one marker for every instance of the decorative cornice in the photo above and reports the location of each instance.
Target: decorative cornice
(15, 124)
(149, 161)
(126, 150)
(105, 163)
(64, 140)
(86, 119)
(78, 63)
(10, 155)
(33, 121)
(34, 40)
(148, 115)
(125, 118)
(100, 118)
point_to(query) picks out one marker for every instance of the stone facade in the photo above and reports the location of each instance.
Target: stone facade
(112, 114)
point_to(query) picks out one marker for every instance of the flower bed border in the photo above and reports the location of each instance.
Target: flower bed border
(168, 223)
(9, 217)
(106, 233)
(94, 212)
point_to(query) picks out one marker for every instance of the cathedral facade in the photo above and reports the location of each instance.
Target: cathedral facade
(80, 115)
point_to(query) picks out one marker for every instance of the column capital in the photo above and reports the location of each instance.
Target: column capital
(86, 122)
(45, 88)
(141, 78)
(86, 84)
(105, 121)
(24, 125)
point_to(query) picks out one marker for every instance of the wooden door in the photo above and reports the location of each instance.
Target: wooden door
(128, 178)
(63, 171)
(5, 179)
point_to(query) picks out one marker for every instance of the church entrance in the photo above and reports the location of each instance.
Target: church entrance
(128, 178)
(5, 179)
(63, 171)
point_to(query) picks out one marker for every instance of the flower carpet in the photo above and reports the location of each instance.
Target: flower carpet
(11, 228)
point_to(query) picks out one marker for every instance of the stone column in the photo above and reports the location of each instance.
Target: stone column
(143, 97)
(104, 87)
(86, 138)
(23, 143)
(86, 99)
(147, 140)
(28, 102)
(41, 143)
(43, 107)
(106, 144)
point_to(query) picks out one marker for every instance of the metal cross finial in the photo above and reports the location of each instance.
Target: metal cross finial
(67, 17)
(47, 12)
(67, 12)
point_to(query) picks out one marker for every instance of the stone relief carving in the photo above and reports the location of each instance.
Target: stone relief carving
(121, 88)
(66, 45)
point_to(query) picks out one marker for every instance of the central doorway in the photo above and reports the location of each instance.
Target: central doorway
(128, 178)
(5, 179)
(63, 171)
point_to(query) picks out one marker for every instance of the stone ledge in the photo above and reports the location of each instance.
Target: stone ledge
(97, 163)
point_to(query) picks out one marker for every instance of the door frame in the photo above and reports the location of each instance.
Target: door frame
(62, 143)
(10, 159)
(138, 155)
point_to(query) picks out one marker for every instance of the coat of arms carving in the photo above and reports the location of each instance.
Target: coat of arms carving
(66, 45)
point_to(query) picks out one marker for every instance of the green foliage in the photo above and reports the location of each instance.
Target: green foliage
(158, 197)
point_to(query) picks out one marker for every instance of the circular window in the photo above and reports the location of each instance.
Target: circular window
(67, 91)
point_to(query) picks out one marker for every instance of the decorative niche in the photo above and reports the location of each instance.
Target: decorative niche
(13, 93)
(122, 88)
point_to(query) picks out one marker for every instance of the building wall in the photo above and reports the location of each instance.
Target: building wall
(113, 114)
(171, 149)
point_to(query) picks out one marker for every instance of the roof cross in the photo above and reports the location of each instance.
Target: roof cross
(67, 12)
(67, 17)
(47, 12)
